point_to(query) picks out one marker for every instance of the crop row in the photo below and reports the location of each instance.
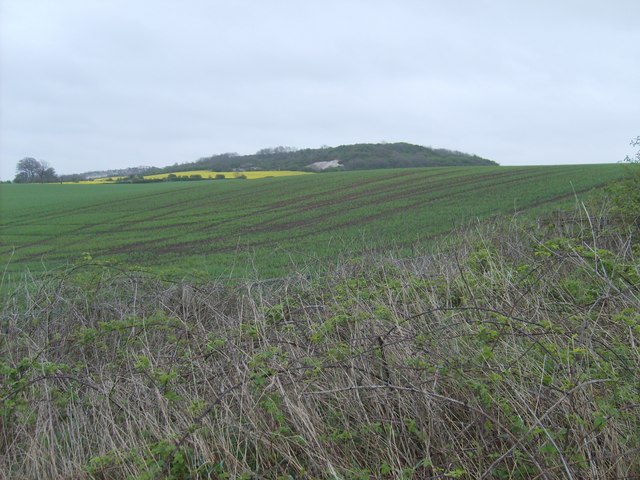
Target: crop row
(213, 227)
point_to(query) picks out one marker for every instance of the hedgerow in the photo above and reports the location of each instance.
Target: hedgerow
(511, 353)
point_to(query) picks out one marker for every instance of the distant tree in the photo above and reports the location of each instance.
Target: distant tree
(21, 177)
(27, 170)
(75, 177)
(276, 150)
(30, 170)
(46, 173)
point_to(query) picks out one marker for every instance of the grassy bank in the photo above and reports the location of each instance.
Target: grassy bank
(511, 355)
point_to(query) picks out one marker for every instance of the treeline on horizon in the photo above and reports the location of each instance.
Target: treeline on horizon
(363, 156)
(175, 178)
(352, 157)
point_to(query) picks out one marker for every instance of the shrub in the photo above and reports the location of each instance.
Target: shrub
(508, 355)
(626, 193)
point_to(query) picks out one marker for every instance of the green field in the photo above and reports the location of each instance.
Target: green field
(232, 228)
(393, 344)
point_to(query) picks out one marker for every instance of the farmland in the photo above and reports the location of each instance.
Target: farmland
(266, 227)
(508, 351)
(204, 174)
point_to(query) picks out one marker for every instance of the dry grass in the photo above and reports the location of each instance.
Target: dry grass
(507, 356)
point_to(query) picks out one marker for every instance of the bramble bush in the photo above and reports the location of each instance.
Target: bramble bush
(511, 353)
(626, 192)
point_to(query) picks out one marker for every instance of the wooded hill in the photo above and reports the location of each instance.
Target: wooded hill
(362, 156)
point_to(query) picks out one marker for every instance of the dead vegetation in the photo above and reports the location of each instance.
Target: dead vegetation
(509, 355)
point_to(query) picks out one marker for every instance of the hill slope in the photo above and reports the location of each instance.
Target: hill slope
(362, 156)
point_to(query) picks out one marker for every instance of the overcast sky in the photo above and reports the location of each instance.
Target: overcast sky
(99, 84)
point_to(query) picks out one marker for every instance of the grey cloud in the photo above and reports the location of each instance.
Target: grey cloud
(91, 85)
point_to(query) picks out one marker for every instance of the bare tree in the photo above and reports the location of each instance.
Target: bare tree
(29, 170)
(46, 173)
(636, 158)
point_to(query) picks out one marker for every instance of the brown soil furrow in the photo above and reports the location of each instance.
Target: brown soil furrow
(196, 244)
(402, 194)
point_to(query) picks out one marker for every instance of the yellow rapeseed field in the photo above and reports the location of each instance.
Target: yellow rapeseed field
(203, 173)
(249, 175)
(95, 181)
